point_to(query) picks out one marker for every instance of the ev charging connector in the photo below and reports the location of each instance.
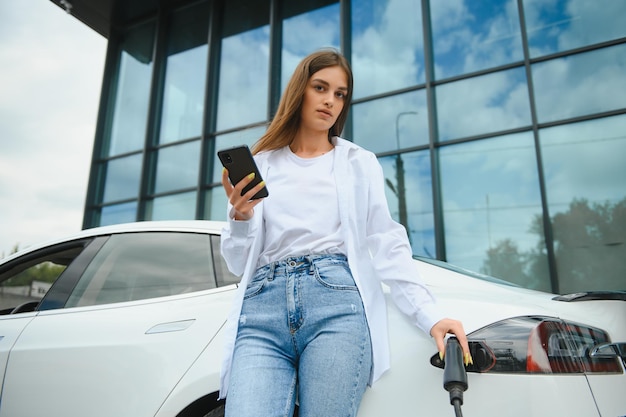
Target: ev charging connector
(454, 375)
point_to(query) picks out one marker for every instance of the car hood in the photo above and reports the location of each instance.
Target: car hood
(480, 302)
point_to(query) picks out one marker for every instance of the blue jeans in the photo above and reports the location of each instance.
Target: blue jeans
(302, 333)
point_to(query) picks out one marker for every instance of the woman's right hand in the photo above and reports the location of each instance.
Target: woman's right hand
(243, 205)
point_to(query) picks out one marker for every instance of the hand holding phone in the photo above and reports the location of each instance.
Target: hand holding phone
(240, 163)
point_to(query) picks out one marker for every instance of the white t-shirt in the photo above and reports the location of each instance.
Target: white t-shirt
(301, 213)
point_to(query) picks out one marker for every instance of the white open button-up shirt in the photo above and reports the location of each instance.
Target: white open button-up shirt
(378, 251)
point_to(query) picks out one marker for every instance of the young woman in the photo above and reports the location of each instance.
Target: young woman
(309, 320)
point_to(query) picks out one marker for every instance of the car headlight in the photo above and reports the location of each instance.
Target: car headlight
(537, 345)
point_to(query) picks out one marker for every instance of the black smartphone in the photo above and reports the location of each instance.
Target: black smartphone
(240, 163)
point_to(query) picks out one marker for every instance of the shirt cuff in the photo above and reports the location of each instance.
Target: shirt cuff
(239, 228)
(429, 314)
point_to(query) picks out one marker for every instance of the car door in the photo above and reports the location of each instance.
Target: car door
(24, 282)
(142, 312)
(10, 329)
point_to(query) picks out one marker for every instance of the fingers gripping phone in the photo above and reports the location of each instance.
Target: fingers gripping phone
(240, 163)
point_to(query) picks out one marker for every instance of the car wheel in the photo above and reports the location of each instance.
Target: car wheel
(216, 412)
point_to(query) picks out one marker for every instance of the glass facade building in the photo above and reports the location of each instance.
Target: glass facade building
(500, 124)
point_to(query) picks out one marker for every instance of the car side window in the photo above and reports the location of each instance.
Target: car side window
(26, 280)
(223, 276)
(137, 266)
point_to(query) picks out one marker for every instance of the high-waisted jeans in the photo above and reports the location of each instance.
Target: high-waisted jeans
(302, 334)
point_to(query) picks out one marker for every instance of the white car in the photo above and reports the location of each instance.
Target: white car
(126, 320)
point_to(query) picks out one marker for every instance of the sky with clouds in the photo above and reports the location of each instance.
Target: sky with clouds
(51, 72)
(469, 36)
(54, 64)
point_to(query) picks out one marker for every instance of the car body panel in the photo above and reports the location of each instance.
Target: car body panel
(202, 378)
(102, 355)
(481, 306)
(414, 387)
(608, 390)
(10, 329)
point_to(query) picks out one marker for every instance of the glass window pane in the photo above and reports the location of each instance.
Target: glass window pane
(387, 46)
(122, 178)
(177, 167)
(173, 207)
(580, 84)
(584, 169)
(244, 64)
(307, 32)
(138, 266)
(223, 276)
(25, 282)
(228, 140)
(118, 213)
(484, 104)
(409, 189)
(127, 131)
(492, 209)
(474, 35)
(216, 202)
(560, 25)
(391, 123)
(183, 100)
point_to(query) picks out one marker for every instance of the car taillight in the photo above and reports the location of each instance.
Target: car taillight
(537, 345)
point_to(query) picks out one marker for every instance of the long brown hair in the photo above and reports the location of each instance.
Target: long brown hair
(284, 126)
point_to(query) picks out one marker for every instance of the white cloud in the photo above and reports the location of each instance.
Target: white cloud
(307, 32)
(387, 53)
(243, 79)
(584, 160)
(580, 84)
(52, 67)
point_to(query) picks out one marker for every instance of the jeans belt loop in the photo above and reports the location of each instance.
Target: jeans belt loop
(270, 274)
(310, 259)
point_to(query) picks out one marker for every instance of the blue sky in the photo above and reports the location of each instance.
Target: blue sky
(51, 74)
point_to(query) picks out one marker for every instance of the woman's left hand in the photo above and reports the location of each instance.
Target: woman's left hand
(455, 327)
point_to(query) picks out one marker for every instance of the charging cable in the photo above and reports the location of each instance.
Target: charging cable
(454, 375)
